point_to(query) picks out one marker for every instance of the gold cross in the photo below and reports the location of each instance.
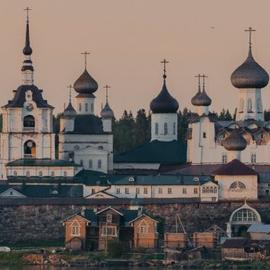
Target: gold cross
(250, 30)
(85, 58)
(27, 9)
(164, 62)
(107, 87)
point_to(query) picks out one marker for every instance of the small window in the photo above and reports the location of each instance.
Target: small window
(137, 190)
(15, 173)
(145, 190)
(65, 173)
(118, 191)
(184, 191)
(90, 163)
(224, 158)
(169, 190)
(195, 190)
(75, 231)
(165, 128)
(99, 163)
(109, 218)
(267, 191)
(86, 107)
(11, 193)
(93, 191)
(40, 173)
(160, 191)
(109, 231)
(156, 128)
(204, 135)
(253, 158)
(81, 162)
(127, 190)
(100, 147)
(92, 107)
(143, 228)
(174, 128)
(52, 173)
(28, 174)
(80, 107)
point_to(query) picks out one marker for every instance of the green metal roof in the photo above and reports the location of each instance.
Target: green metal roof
(41, 162)
(173, 152)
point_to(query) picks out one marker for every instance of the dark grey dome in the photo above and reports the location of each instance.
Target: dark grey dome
(250, 74)
(85, 84)
(164, 102)
(69, 110)
(201, 99)
(235, 141)
(107, 112)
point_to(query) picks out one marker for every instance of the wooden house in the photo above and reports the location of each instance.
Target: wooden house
(145, 234)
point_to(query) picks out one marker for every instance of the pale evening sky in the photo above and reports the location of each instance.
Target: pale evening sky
(127, 40)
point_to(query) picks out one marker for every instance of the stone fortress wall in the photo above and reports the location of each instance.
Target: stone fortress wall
(29, 220)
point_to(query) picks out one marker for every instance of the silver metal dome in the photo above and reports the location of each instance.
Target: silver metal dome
(235, 141)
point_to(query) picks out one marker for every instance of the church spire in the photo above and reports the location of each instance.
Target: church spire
(27, 68)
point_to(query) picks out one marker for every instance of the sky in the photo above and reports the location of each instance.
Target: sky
(127, 40)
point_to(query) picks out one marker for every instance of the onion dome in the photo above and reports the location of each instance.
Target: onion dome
(107, 112)
(85, 84)
(201, 98)
(164, 102)
(235, 141)
(250, 74)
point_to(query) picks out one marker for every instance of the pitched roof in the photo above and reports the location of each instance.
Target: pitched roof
(173, 152)
(261, 228)
(234, 167)
(41, 162)
(235, 243)
(46, 191)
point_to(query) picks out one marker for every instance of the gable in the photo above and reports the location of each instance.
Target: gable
(10, 193)
(100, 195)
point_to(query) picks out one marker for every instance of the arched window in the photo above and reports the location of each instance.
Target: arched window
(80, 107)
(29, 149)
(245, 215)
(92, 107)
(165, 128)
(75, 230)
(237, 186)
(29, 121)
(86, 107)
(249, 105)
(40, 173)
(156, 128)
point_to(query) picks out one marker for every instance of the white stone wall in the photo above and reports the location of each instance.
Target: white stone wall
(39, 171)
(107, 125)
(250, 105)
(158, 129)
(88, 147)
(84, 105)
(226, 193)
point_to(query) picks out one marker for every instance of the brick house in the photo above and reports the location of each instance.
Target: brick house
(93, 230)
